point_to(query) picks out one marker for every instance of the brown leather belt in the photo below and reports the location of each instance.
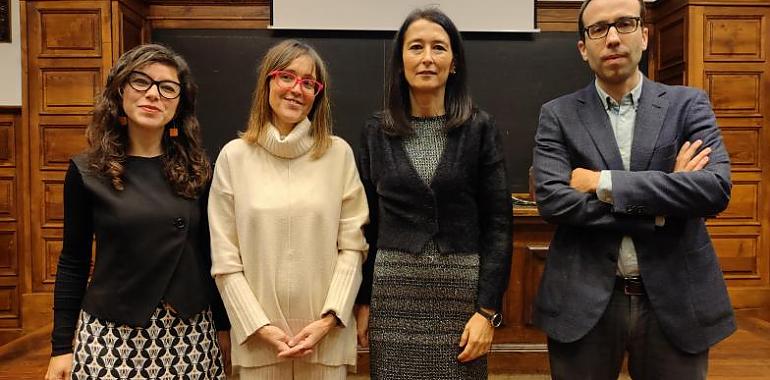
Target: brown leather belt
(631, 286)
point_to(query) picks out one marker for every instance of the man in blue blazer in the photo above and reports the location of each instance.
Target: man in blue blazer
(628, 169)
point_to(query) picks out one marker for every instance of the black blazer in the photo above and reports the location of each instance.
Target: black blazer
(151, 245)
(465, 209)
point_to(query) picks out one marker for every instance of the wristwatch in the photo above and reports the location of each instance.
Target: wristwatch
(495, 319)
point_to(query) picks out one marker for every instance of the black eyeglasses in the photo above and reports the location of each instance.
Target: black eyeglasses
(140, 81)
(623, 25)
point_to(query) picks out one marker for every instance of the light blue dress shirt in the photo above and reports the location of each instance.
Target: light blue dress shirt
(622, 118)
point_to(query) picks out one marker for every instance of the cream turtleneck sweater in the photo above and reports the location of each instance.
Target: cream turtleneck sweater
(287, 242)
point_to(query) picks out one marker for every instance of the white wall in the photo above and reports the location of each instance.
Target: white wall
(469, 16)
(10, 62)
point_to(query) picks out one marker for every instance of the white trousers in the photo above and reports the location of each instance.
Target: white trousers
(291, 370)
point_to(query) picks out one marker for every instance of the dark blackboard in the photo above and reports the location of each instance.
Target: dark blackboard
(511, 76)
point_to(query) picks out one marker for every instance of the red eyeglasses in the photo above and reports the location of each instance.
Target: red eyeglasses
(287, 80)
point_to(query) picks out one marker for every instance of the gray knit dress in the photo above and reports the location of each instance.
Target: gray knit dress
(421, 302)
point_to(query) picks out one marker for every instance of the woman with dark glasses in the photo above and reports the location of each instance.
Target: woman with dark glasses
(151, 309)
(440, 254)
(286, 211)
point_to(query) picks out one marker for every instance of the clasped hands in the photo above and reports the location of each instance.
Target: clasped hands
(687, 160)
(301, 344)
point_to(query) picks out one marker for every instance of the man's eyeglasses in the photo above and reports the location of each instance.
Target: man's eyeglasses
(287, 80)
(142, 82)
(623, 25)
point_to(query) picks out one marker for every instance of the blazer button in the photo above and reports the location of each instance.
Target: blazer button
(179, 223)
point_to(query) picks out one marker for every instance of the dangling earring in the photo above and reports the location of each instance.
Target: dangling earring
(122, 120)
(173, 131)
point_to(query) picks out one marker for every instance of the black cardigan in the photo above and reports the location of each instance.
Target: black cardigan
(466, 208)
(151, 245)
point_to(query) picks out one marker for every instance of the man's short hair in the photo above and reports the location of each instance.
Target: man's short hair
(582, 26)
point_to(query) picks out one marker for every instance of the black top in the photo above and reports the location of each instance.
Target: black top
(152, 245)
(466, 208)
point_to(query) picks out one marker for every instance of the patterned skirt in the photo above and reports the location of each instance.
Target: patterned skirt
(420, 305)
(168, 348)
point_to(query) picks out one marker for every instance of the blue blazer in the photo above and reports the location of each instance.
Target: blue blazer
(677, 261)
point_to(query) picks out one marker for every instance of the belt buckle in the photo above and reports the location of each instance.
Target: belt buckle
(632, 286)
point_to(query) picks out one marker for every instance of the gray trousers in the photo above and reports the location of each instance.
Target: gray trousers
(628, 325)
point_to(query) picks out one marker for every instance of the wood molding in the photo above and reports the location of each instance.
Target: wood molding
(223, 16)
(207, 2)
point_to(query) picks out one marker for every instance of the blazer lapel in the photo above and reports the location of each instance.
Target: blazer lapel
(650, 114)
(595, 120)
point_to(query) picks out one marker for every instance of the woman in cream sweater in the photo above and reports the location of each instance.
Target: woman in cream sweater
(286, 213)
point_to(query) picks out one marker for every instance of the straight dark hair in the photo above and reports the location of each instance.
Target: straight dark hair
(457, 99)
(582, 25)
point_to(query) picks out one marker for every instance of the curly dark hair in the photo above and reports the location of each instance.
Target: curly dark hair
(185, 163)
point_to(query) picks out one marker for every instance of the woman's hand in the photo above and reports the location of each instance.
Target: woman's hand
(223, 338)
(59, 368)
(362, 324)
(274, 337)
(303, 343)
(476, 338)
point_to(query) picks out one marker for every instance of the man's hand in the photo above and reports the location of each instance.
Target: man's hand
(584, 180)
(688, 161)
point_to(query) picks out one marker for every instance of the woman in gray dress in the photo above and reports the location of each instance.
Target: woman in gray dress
(440, 236)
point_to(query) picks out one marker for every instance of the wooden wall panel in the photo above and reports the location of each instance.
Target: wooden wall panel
(534, 265)
(737, 254)
(69, 90)
(53, 203)
(667, 49)
(734, 38)
(69, 32)
(70, 51)
(743, 147)
(734, 92)
(733, 61)
(51, 249)
(671, 53)
(131, 27)
(9, 260)
(744, 203)
(9, 304)
(11, 226)
(60, 143)
(7, 142)
(8, 198)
